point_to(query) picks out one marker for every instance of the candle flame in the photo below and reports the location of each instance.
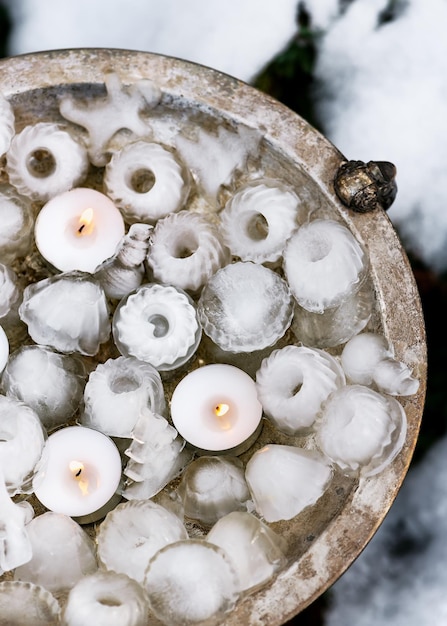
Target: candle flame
(86, 223)
(77, 468)
(220, 411)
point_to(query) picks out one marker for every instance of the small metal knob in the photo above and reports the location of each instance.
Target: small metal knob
(363, 187)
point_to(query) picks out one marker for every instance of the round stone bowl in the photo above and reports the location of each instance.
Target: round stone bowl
(325, 539)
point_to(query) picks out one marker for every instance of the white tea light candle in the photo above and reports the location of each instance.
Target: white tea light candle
(78, 230)
(81, 474)
(216, 408)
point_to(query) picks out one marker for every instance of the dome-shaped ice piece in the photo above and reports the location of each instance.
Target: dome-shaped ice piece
(157, 324)
(324, 264)
(44, 160)
(6, 125)
(24, 603)
(15, 546)
(191, 583)
(245, 307)
(259, 219)
(106, 599)
(10, 296)
(17, 224)
(132, 533)
(62, 553)
(117, 391)
(213, 486)
(146, 181)
(186, 251)
(22, 439)
(67, 312)
(284, 480)
(255, 550)
(395, 378)
(292, 384)
(48, 382)
(360, 430)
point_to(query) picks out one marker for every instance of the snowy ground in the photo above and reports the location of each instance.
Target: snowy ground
(382, 93)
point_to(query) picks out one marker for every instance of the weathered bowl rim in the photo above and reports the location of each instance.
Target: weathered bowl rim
(349, 532)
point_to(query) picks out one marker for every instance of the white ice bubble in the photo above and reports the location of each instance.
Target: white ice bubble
(284, 480)
(191, 582)
(256, 551)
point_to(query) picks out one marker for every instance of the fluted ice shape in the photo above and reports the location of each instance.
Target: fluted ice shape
(278, 498)
(15, 546)
(63, 553)
(368, 360)
(245, 307)
(67, 312)
(7, 118)
(22, 439)
(157, 324)
(360, 430)
(293, 382)
(259, 219)
(132, 533)
(324, 264)
(25, 603)
(186, 251)
(146, 181)
(48, 382)
(154, 456)
(191, 583)
(116, 393)
(106, 599)
(256, 551)
(213, 486)
(44, 160)
(17, 224)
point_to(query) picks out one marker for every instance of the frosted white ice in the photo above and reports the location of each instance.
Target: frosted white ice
(62, 553)
(256, 551)
(284, 480)
(191, 582)
(10, 294)
(17, 224)
(15, 546)
(213, 486)
(25, 603)
(7, 129)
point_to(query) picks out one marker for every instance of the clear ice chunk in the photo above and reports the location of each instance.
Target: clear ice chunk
(10, 297)
(50, 383)
(22, 438)
(191, 583)
(213, 486)
(245, 307)
(63, 553)
(23, 603)
(67, 312)
(293, 382)
(15, 546)
(360, 430)
(117, 391)
(285, 480)
(17, 224)
(106, 599)
(256, 551)
(132, 533)
(324, 264)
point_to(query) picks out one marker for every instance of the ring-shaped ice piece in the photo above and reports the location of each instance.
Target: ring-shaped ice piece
(45, 160)
(116, 392)
(324, 264)
(258, 220)
(292, 384)
(22, 439)
(26, 603)
(245, 307)
(308, 475)
(7, 119)
(190, 583)
(157, 324)
(106, 599)
(17, 224)
(132, 533)
(361, 430)
(146, 181)
(186, 250)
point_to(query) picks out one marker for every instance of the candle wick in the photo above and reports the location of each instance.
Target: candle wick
(81, 228)
(78, 473)
(221, 409)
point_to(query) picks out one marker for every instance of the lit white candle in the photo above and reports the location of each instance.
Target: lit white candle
(216, 408)
(4, 349)
(81, 474)
(78, 230)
